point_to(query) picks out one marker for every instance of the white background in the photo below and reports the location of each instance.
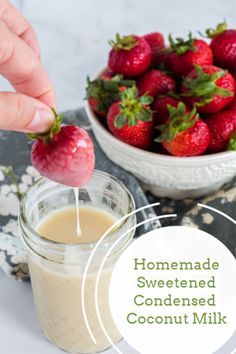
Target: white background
(73, 37)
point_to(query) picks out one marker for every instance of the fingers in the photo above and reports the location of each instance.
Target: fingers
(30, 38)
(22, 113)
(19, 25)
(20, 65)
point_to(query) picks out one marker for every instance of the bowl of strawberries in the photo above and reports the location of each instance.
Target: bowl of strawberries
(167, 113)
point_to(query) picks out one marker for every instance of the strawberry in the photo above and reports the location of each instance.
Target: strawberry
(107, 74)
(130, 55)
(210, 87)
(160, 108)
(104, 91)
(223, 46)
(222, 126)
(130, 119)
(232, 105)
(157, 44)
(182, 55)
(155, 82)
(185, 134)
(64, 155)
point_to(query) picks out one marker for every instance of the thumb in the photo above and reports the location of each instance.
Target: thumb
(22, 113)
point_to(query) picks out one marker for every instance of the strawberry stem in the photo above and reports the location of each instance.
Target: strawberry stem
(125, 43)
(133, 108)
(204, 86)
(180, 46)
(55, 129)
(214, 32)
(179, 121)
(106, 91)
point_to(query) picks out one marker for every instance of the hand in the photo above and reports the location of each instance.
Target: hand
(29, 108)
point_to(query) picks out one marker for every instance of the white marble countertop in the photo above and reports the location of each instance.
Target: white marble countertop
(73, 37)
(73, 34)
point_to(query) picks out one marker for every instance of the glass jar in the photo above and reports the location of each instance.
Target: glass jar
(56, 269)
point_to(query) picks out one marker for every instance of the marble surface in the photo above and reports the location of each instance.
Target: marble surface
(73, 34)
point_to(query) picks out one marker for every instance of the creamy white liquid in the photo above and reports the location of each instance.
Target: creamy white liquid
(78, 228)
(57, 295)
(57, 286)
(61, 225)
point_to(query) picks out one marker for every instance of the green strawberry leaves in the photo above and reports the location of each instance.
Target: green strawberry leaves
(133, 108)
(180, 46)
(145, 100)
(126, 43)
(121, 120)
(179, 121)
(144, 115)
(204, 86)
(106, 91)
(55, 129)
(214, 32)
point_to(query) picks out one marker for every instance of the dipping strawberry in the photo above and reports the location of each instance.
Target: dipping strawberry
(64, 155)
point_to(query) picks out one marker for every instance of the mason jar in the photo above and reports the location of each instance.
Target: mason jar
(68, 316)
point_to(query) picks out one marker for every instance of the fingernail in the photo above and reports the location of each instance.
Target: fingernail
(41, 121)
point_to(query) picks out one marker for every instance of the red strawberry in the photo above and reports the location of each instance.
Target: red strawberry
(107, 74)
(101, 93)
(94, 104)
(183, 55)
(223, 46)
(130, 119)
(157, 44)
(232, 105)
(64, 155)
(185, 134)
(155, 82)
(210, 87)
(160, 108)
(222, 126)
(130, 55)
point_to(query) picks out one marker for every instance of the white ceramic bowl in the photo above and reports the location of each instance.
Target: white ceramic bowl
(163, 175)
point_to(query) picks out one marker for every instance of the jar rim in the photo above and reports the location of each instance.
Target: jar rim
(45, 243)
